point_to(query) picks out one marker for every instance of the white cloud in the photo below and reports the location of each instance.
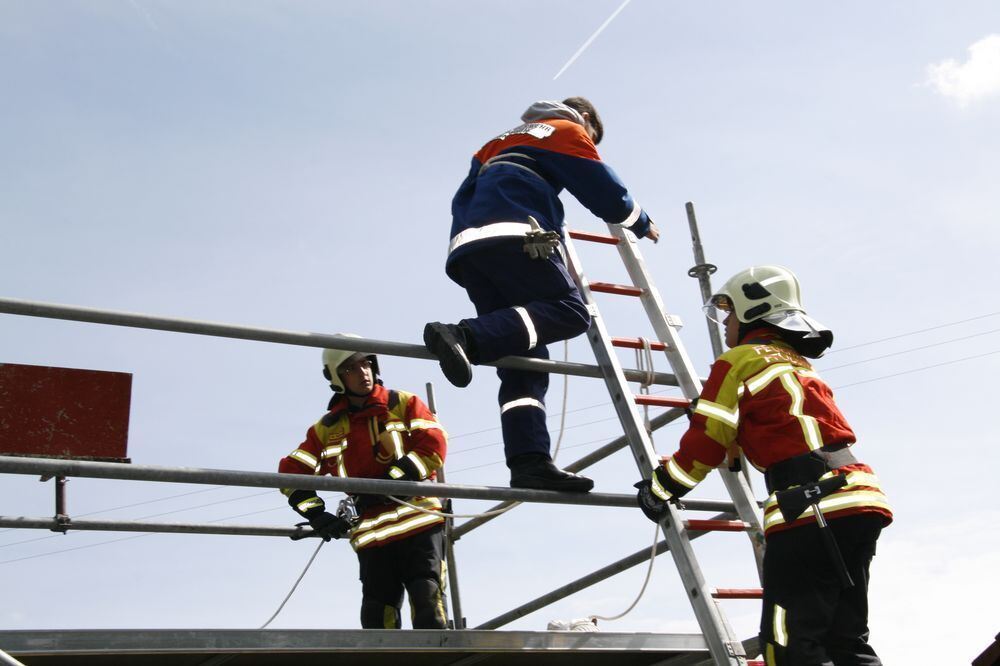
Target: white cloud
(976, 78)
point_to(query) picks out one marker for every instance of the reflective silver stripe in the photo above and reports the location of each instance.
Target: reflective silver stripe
(421, 467)
(395, 425)
(522, 402)
(397, 444)
(395, 472)
(396, 514)
(305, 505)
(780, 631)
(717, 411)
(758, 383)
(659, 490)
(633, 216)
(331, 451)
(304, 457)
(679, 475)
(835, 502)
(529, 325)
(393, 530)
(424, 424)
(495, 230)
(810, 428)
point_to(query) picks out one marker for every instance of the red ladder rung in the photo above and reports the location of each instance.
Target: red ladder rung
(593, 238)
(756, 662)
(662, 401)
(620, 289)
(737, 593)
(636, 343)
(716, 525)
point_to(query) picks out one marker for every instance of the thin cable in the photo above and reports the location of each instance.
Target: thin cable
(298, 580)
(926, 367)
(922, 330)
(907, 351)
(649, 574)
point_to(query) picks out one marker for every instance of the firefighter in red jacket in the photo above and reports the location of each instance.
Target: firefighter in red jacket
(825, 509)
(376, 433)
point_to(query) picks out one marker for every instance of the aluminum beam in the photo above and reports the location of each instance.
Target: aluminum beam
(303, 339)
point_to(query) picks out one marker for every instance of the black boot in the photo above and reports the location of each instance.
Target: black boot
(451, 344)
(536, 470)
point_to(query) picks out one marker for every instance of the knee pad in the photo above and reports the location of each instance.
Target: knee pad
(427, 604)
(378, 615)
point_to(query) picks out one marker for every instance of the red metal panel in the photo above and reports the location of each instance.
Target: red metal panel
(715, 525)
(64, 412)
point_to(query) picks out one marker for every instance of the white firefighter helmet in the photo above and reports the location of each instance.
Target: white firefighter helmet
(771, 294)
(334, 358)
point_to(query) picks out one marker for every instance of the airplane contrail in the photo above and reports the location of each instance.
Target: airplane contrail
(591, 39)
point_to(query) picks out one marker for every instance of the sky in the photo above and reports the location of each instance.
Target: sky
(291, 166)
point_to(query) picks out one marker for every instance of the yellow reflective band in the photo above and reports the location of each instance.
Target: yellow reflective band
(423, 424)
(659, 490)
(810, 428)
(811, 374)
(679, 475)
(838, 502)
(717, 411)
(394, 530)
(395, 425)
(331, 451)
(421, 467)
(396, 514)
(780, 630)
(395, 472)
(305, 505)
(397, 444)
(304, 457)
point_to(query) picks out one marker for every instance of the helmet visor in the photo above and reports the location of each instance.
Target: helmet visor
(718, 307)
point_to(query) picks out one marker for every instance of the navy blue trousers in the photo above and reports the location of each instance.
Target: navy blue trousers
(523, 304)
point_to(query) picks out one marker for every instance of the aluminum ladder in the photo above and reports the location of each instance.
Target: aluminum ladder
(724, 647)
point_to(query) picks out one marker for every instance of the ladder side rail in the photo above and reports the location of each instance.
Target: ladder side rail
(738, 488)
(724, 647)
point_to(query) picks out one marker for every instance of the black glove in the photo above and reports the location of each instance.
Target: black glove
(652, 506)
(328, 526)
(403, 469)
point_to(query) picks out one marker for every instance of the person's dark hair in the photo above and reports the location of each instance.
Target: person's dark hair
(584, 105)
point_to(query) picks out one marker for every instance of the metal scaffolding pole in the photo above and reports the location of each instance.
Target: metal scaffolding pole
(99, 470)
(303, 339)
(590, 579)
(162, 528)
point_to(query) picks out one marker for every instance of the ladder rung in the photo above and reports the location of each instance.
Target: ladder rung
(593, 238)
(620, 289)
(716, 525)
(737, 593)
(636, 343)
(756, 662)
(662, 401)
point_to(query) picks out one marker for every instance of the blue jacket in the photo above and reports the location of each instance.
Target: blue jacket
(521, 173)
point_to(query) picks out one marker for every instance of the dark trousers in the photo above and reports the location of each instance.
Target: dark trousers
(523, 304)
(414, 564)
(808, 619)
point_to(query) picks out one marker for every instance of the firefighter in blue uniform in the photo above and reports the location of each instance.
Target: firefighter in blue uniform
(506, 229)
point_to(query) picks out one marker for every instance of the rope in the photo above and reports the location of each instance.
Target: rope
(649, 574)
(644, 362)
(291, 591)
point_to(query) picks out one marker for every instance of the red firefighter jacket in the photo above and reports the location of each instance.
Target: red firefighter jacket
(392, 430)
(766, 399)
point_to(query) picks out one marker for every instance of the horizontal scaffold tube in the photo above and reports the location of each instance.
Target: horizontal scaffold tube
(320, 340)
(136, 526)
(127, 472)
